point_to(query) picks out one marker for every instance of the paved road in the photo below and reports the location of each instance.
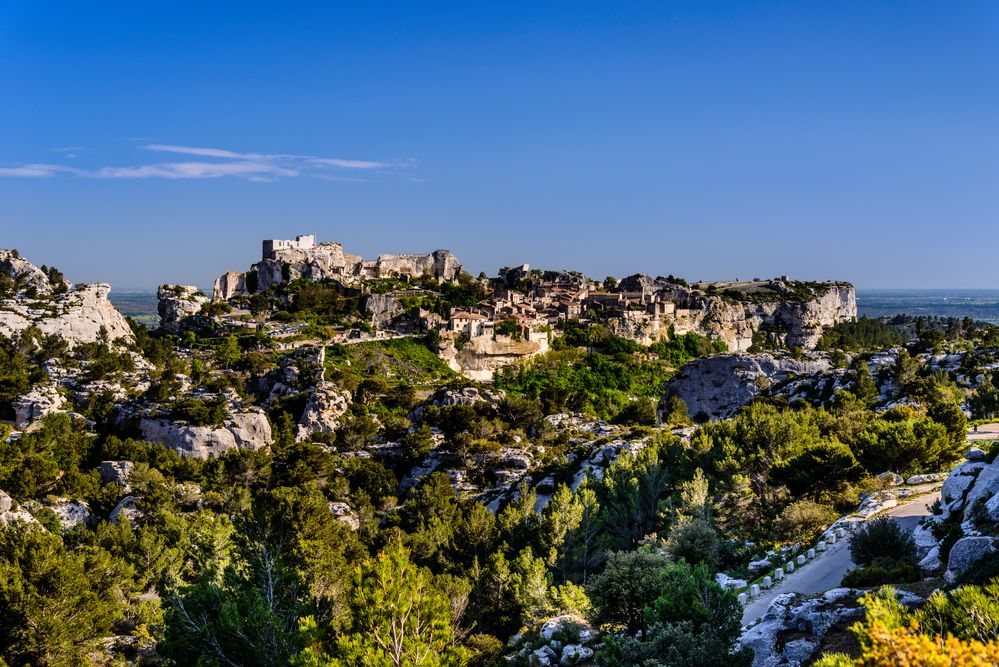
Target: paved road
(827, 571)
(985, 432)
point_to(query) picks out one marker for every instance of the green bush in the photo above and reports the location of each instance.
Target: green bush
(882, 540)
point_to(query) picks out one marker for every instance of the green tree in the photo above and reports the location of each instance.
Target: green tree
(228, 353)
(399, 617)
(52, 603)
(631, 581)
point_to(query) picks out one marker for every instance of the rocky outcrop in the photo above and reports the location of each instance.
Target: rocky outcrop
(10, 512)
(26, 276)
(383, 310)
(37, 403)
(228, 285)
(792, 631)
(482, 356)
(716, 387)
(246, 428)
(323, 411)
(177, 303)
(69, 513)
(792, 313)
(965, 553)
(116, 472)
(82, 314)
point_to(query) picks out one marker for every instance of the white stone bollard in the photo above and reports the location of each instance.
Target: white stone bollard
(742, 599)
(840, 533)
(810, 554)
(801, 559)
(754, 590)
(789, 566)
(821, 546)
(832, 539)
(767, 582)
(779, 573)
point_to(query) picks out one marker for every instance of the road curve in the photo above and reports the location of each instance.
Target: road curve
(827, 571)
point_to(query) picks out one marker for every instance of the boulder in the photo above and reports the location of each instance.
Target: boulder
(344, 514)
(176, 303)
(70, 513)
(985, 487)
(127, 509)
(37, 403)
(6, 502)
(965, 553)
(323, 411)
(974, 454)
(243, 429)
(891, 478)
(573, 654)
(544, 656)
(931, 561)
(116, 472)
(926, 479)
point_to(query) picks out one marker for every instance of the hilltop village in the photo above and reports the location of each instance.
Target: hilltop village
(557, 469)
(484, 324)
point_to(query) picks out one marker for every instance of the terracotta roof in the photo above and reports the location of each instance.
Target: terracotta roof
(467, 316)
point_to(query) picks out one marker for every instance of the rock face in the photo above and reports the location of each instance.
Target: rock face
(116, 472)
(78, 315)
(808, 620)
(177, 303)
(965, 553)
(244, 429)
(37, 403)
(716, 387)
(228, 285)
(482, 356)
(27, 275)
(323, 410)
(797, 313)
(383, 310)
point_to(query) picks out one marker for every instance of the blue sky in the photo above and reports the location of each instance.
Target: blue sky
(149, 142)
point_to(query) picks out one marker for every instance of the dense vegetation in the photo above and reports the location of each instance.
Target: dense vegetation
(330, 551)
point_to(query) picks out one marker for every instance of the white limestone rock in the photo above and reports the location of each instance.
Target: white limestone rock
(228, 285)
(128, 510)
(716, 387)
(80, 315)
(71, 513)
(176, 303)
(323, 411)
(116, 472)
(247, 428)
(965, 553)
(40, 401)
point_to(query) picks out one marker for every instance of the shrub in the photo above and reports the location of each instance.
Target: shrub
(882, 540)
(879, 574)
(803, 521)
(695, 542)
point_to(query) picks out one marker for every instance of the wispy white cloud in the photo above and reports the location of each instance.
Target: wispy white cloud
(215, 163)
(37, 170)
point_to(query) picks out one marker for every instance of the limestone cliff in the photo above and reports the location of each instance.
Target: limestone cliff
(77, 313)
(481, 356)
(716, 387)
(245, 428)
(792, 313)
(178, 302)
